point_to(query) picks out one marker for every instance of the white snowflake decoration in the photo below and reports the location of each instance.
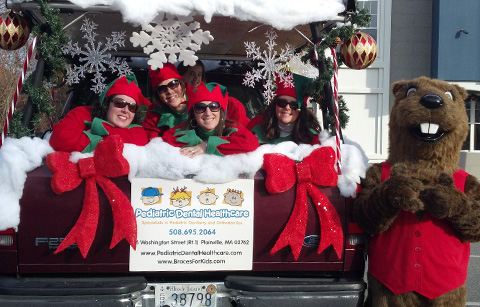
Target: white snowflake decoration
(271, 65)
(94, 58)
(172, 35)
(297, 66)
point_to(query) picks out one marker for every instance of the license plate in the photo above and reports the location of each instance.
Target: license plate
(189, 295)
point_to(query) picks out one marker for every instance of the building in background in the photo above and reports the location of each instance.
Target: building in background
(433, 38)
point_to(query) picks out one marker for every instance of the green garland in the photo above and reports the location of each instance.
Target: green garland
(361, 18)
(51, 38)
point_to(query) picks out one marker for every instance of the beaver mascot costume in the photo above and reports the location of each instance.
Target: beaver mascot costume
(419, 208)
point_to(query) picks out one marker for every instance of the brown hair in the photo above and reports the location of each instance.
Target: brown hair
(156, 97)
(182, 69)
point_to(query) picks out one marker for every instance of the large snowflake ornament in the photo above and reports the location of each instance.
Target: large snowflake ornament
(271, 65)
(170, 36)
(297, 66)
(95, 58)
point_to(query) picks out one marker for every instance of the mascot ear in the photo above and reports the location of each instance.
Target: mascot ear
(399, 89)
(463, 92)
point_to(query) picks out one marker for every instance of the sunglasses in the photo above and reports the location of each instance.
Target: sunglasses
(282, 103)
(162, 89)
(200, 108)
(120, 103)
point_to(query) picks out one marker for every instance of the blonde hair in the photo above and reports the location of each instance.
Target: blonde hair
(180, 194)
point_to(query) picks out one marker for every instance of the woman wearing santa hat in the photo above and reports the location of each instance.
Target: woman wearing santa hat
(206, 130)
(287, 118)
(115, 113)
(168, 108)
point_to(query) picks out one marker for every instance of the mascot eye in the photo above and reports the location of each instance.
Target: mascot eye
(411, 90)
(449, 94)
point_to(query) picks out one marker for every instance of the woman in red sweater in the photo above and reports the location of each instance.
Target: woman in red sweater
(115, 113)
(168, 108)
(206, 130)
(287, 118)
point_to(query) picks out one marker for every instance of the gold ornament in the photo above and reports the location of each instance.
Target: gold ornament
(359, 51)
(14, 31)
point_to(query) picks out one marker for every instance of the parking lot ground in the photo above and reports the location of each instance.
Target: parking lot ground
(473, 281)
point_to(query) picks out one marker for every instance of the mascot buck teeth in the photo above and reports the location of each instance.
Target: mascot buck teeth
(420, 209)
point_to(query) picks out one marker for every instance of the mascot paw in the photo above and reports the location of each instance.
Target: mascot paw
(402, 192)
(443, 200)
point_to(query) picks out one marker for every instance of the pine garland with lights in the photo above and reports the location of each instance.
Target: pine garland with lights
(51, 39)
(361, 18)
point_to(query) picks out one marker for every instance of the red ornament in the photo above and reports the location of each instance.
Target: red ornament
(14, 31)
(359, 51)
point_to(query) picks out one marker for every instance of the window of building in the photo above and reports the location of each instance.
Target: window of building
(372, 7)
(472, 104)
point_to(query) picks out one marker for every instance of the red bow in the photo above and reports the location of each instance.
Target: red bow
(107, 162)
(316, 169)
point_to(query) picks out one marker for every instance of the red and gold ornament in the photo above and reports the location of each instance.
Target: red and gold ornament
(14, 31)
(360, 51)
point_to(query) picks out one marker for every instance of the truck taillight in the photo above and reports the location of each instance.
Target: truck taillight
(6, 237)
(356, 235)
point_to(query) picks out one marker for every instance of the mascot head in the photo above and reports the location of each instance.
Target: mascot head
(428, 122)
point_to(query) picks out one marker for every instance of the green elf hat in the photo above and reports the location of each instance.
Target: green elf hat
(125, 85)
(297, 91)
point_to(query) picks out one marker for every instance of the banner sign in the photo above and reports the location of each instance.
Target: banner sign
(185, 225)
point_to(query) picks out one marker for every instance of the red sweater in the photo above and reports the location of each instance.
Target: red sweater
(238, 140)
(236, 111)
(70, 134)
(423, 256)
(159, 119)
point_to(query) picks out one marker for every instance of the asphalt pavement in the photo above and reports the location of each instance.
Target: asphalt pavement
(473, 281)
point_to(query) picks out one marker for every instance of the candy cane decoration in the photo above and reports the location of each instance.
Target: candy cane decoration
(19, 87)
(338, 157)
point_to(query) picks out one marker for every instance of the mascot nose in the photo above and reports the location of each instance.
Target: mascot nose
(431, 101)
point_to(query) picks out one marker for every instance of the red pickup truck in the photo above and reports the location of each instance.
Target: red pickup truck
(32, 274)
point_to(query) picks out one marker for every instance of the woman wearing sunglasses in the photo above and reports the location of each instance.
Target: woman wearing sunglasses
(115, 113)
(168, 108)
(287, 118)
(194, 75)
(206, 130)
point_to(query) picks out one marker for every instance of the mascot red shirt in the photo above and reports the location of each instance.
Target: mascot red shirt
(410, 255)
